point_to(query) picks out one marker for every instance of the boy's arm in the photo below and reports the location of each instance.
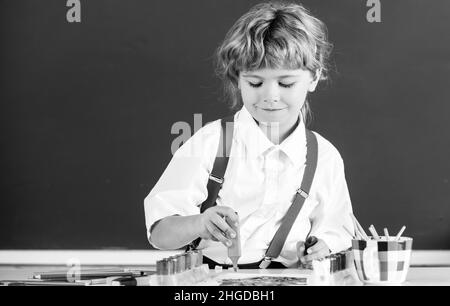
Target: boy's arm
(328, 224)
(180, 190)
(175, 232)
(165, 233)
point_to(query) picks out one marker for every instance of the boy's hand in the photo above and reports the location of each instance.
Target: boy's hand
(214, 226)
(315, 252)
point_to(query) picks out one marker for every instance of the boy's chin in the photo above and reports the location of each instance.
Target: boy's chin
(269, 122)
(272, 119)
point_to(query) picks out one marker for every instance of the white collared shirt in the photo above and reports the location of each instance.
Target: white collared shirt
(260, 183)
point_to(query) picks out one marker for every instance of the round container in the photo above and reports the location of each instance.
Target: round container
(382, 261)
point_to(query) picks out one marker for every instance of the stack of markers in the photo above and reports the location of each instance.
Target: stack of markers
(335, 269)
(338, 261)
(182, 269)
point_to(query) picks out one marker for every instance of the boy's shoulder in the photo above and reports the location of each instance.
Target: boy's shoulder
(210, 128)
(326, 150)
(198, 142)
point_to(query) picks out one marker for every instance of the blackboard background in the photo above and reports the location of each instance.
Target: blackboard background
(87, 110)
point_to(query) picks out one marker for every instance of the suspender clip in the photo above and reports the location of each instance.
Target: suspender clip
(301, 192)
(265, 262)
(216, 179)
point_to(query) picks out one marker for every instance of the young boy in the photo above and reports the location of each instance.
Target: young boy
(270, 60)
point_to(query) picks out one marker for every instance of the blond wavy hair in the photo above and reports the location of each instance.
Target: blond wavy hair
(272, 35)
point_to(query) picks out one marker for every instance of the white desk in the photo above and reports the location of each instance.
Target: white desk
(417, 276)
(428, 268)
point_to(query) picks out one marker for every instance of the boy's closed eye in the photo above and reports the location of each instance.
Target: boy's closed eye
(281, 84)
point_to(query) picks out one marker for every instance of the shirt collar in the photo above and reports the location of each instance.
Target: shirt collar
(295, 144)
(257, 143)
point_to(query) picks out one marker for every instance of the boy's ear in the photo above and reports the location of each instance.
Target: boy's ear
(315, 80)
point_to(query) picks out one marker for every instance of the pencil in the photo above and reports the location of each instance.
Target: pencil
(400, 232)
(30, 282)
(386, 233)
(374, 232)
(355, 227)
(83, 274)
(359, 227)
(348, 231)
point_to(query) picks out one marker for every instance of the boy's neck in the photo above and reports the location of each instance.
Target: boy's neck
(277, 133)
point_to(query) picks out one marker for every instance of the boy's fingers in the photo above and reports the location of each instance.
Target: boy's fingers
(216, 233)
(300, 249)
(317, 255)
(210, 236)
(317, 247)
(223, 226)
(300, 246)
(226, 211)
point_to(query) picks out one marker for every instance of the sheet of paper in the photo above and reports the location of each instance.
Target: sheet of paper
(284, 277)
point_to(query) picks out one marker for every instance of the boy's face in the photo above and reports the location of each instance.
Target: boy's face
(276, 96)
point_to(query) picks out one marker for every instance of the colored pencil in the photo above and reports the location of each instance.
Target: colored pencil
(374, 232)
(359, 227)
(386, 233)
(400, 233)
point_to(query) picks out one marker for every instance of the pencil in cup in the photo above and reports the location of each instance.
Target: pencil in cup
(386, 234)
(397, 237)
(359, 231)
(374, 233)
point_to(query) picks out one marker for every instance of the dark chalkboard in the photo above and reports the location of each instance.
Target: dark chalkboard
(87, 110)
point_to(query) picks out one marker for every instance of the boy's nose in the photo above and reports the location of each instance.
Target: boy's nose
(271, 100)
(271, 94)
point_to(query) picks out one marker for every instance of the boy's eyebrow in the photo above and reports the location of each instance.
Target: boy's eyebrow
(280, 77)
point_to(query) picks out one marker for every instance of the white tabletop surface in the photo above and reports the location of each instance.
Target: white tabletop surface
(417, 276)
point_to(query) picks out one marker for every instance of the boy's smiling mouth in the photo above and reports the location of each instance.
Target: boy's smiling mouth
(272, 109)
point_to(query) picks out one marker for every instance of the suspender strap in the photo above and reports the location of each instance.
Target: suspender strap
(288, 220)
(216, 177)
(220, 163)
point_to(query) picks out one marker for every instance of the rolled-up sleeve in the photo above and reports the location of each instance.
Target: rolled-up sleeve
(334, 214)
(182, 186)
